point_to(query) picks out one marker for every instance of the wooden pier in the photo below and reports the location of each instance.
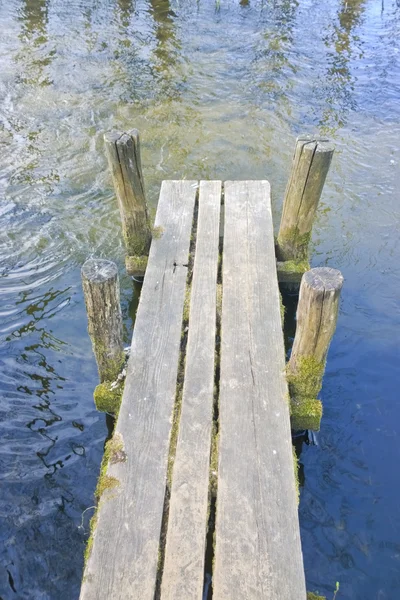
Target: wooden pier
(200, 474)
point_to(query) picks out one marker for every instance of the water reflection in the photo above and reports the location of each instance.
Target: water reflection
(338, 83)
(34, 17)
(166, 53)
(275, 61)
(125, 8)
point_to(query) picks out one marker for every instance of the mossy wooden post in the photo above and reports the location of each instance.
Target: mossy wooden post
(316, 323)
(123, 153)
(101, 291)
(310, 167)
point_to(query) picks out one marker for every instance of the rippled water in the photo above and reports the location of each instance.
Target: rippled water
(217, 90)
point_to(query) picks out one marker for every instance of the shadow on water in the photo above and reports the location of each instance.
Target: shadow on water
(216, 94)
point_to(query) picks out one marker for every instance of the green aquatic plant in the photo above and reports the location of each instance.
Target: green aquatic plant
(336, 590)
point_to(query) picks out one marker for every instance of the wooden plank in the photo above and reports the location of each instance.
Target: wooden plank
(183, 575)
(123, 562)
(258, 551)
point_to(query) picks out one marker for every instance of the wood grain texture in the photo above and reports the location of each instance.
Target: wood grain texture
(258, 551)
(183, 576)
(123, 153)
(123, 561)
(311, 162)
(317, 313)
(100, 285)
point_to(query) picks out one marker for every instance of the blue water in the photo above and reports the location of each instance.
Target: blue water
(222, 92)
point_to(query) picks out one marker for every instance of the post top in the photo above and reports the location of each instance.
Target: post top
(121, 137)
(99, 270)
(324, 279)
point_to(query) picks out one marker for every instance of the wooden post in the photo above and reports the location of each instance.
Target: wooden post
(101, 291)
(316, 323)
(123, 153)
(311, 162)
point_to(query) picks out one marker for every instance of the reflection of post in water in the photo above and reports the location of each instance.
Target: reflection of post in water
(338, 81)
(167, 49)
(125, 8)
(275, 57)
(34, 18)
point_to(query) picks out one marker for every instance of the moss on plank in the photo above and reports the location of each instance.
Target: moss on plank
(157, 232)
(105, 483)
(176, 418)
(186, 305)
(214, 460)
(113, 452)
(89, 543)
(313, 596)
(296, 473)
(219, 304)
(107, 398)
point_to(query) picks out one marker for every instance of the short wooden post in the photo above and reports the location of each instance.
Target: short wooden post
(311, 162)
(316, 323)
(101, 291)
(123, 153)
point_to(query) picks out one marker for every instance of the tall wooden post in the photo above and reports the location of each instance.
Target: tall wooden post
(123, 153)
(101, 291)
(311, 162)
(316, 323)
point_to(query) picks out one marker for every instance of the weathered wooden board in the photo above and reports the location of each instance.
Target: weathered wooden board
(258, 551)
(183, 575)
(123, 562)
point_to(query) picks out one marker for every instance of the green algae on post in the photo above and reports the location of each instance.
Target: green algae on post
(316, 322)
(293, 246)
(291, 271)
(100, 285)
(136, 265)
(108, 398)
(312, 596)
(306, 414)
(306, 381)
